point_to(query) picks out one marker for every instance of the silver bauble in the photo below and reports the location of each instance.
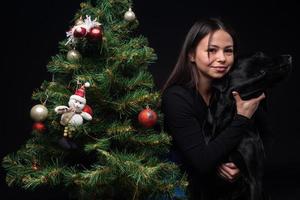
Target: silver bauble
(73, 56)
(39, 113)
(129, 15)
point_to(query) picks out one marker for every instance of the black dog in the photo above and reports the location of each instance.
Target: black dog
(250, 77)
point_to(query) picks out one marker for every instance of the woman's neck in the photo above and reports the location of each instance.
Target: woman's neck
(204, 88)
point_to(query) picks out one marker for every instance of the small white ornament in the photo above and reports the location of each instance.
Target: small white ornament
(87, 84)
(129, 15)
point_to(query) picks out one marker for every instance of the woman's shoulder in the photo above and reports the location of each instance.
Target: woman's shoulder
(176, 90)
(177, 95)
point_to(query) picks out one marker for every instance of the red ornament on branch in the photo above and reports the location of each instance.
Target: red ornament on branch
(87, 28)
(95, 33)
(147, 117)
(79, 32)
(39, 127)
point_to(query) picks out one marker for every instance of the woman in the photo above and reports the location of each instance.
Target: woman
(208, 54)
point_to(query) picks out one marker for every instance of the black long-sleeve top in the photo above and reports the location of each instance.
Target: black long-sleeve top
(184, 113)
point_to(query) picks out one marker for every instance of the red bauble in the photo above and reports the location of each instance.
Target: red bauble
(39, 127)
(88, 109)
(79, 32)
(147, 117)
(95, 33)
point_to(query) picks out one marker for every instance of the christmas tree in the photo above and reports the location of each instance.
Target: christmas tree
(97, 128)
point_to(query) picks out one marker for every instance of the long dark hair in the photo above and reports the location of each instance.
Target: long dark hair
(185, 72)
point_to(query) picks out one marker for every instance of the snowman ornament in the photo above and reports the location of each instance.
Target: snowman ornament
(74, 115)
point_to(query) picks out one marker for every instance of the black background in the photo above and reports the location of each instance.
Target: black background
(31, 32)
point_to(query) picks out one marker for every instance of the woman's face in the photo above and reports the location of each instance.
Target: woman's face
(214, 58)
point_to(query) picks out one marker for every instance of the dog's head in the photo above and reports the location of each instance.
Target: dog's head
(252, 75)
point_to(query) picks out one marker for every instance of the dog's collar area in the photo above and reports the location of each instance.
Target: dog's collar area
(221, 84)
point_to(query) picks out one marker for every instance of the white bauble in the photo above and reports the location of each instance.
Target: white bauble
(39, 113)
(129, 15)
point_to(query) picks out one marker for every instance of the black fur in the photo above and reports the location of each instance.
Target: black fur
(251, 76)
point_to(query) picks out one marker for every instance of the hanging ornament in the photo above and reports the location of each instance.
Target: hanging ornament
(39, 113)
(147, 117)
(129, 15)
(73, 115)
(95, 33)
(80, 29)
(73, 55)
(88, 109)
(79, 32)
(35, 166)
(39, 127)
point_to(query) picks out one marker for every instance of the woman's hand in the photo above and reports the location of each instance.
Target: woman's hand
(229, 171)
(248, 107)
